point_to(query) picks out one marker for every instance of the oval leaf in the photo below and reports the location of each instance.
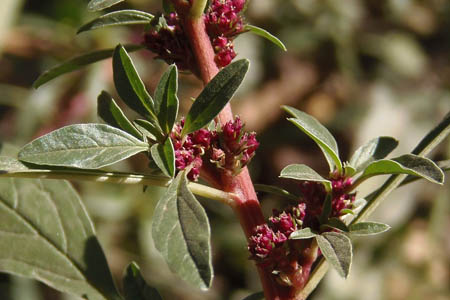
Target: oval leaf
(166, 100)
(95, 5)
(129, 85)
(78, 63)
(406, 164)
(303, 172)
(121, 17)
(86, 146)
(265, 34)
(337, 250)
(46, 234)
(181, 233)
(135, 287)
(164, 157)
(215, 96)
(368, 228)
(301, 234)
(318, 133)
(375, 149)
(111, 113)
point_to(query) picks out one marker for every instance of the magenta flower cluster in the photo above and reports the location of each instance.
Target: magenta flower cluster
(223, 22)
(227, 148)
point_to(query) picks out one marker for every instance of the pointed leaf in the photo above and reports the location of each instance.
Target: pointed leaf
(166, 100)
(164, 157)
(121, 17)
(275, 191)
(86, 146)
(78, 63)
(301, 234)
(265, 34)
(111, 113)
(135, 287)
(129, 85)
(95, 5)
(303, 172)
(368, 228)
(375, 149)
(154, 131)
(318, 133)
(406, 164)
(46, 234)
(337, 250)
(215, 96)
(337, 224)
(182, 234)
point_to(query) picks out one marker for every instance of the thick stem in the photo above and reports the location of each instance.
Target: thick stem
(246, 206)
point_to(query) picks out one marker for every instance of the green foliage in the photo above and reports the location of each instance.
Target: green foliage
(150, 130)
(135, 287)
(265, 34)
(375, 149)
(95, 5)
(337, 250)
(319, 134)
(164, 157)
(85, 146)
(368, 228)
(303, 172)
(181, 233)
(77, 63)
(166, 100)
(271, 189)
(215, 96)
(121, 17)
(304, 233)
(46, 234)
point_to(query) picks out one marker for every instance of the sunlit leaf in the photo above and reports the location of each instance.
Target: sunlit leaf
(166, 100)
(368, 228)
(301, 234)
(303, 172)
(164, 157)
(121, 17)
(337, 250)
(265, 34)
(95, 5)
(375, 149)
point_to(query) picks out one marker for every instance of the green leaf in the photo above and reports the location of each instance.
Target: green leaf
(303, 172)
(337, 250)
(166, 100)
(326, 209)
(77, 63)
(85, 146)
(368, 228)
(255, 296)
(338, 224)
(215, 96)
(271, 189)
(95, 5)
(265, 34)
(301, 234)
(406, 164)
(181, 233)
(318, 133)
(135, 287)
(129, 85)
(111, 113)
(375, 149)
(46, 234)
(153, 130)
(164, 157)
(121, 17)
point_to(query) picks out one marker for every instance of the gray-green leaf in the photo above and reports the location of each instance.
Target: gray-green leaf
(95, 5)
(135, 287)
(301, 234)
(368, 228)
(164, 157)
(318, 133)
(181, 233)
(46, 234)
(111, 113)
(77, 63)
(337, 250)
(150, 129)
(121, 17)
(303, 172)
(215, 96)
(265, 34)
(86, 146)
(129, 85)
(406, 164)
(166, 100)
(375, 149)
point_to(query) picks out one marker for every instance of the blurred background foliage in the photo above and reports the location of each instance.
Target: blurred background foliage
(363, 68)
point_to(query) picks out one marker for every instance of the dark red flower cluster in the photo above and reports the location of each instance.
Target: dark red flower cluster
(223, 22)
(227, 148)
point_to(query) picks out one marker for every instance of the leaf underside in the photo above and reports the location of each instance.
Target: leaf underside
(337, 250)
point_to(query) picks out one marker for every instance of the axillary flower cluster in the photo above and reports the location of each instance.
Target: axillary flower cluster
(270, 245)
(223, 22)
(226, 148)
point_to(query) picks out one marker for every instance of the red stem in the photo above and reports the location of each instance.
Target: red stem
(247, 207)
